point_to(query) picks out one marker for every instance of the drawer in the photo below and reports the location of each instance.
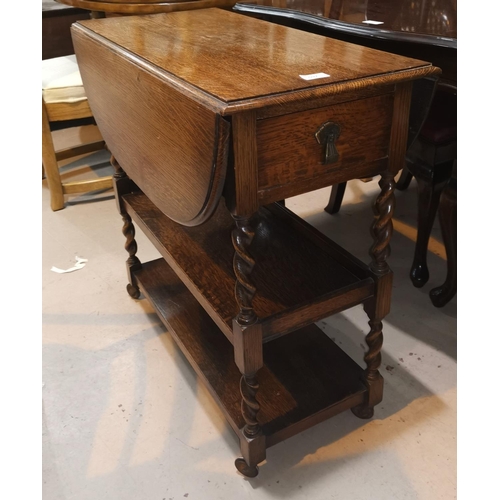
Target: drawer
(292, 159)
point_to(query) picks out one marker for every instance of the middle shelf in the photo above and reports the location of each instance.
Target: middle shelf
(300, 275)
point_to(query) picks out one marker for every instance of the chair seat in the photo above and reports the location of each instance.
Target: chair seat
(61, 80)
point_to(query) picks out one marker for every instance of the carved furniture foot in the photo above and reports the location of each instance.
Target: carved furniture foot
(133, 291)
(245, 469)
(364, 412)
(441, 295)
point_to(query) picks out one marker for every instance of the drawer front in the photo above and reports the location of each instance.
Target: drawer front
(295, 155)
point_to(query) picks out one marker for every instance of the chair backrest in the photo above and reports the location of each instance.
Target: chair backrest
(421, 100)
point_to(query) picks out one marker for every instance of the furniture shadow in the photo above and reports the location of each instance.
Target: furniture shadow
(411, 308)
(339, 440)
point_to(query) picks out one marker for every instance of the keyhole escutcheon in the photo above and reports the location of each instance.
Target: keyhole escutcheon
(326, 136)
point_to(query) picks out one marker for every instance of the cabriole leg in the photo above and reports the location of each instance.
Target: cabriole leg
(430, 186)
(441, 295)
(336, 197)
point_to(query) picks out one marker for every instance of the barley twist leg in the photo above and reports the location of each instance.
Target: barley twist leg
(122, 184)
(378, 306)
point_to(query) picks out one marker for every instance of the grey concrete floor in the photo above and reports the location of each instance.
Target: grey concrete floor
(125, 417)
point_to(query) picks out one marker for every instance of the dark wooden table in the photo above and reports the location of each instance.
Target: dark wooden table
(213, 118)
(425, 29)
(109, 8)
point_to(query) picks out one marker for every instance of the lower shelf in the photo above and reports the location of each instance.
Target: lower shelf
(306, 379)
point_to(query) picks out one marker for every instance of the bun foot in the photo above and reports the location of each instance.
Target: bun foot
(441, 295)
(363, 412)
(419, 275)
(246, 469)
(133, 291)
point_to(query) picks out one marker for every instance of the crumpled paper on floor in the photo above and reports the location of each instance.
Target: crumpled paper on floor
(80, 263)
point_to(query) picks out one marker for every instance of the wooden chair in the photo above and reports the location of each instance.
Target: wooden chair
(430, 160)
(64, 105)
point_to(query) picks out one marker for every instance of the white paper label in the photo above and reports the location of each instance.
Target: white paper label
(80, 263)
(314, 76)
(373, 22)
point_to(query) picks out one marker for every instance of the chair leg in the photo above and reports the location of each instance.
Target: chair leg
(441, 295)
(404, 179)
(429, 192)
(336, 197)
(50, 164)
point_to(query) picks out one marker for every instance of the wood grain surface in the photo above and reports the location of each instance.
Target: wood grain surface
(173, 149)
(141, 7)
(179, 96)
(299, 276)
(289, 151)
(400, 20)
(175, 75)
(249, 58)
(306, 377)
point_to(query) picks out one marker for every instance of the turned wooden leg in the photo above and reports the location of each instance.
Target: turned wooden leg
(381, 229)
(378, 307)
(243, 264)
(123, 185)
(373, 359)
(336, 197)
(133, 262)
(430, 188)
(247, 335)
(441, 295)
(252, 444)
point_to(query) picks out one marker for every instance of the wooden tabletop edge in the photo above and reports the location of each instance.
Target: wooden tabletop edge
(199, 95)
(326, 89)
(225, 108)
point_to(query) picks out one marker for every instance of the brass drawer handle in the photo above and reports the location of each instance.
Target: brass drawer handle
(326, 136)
